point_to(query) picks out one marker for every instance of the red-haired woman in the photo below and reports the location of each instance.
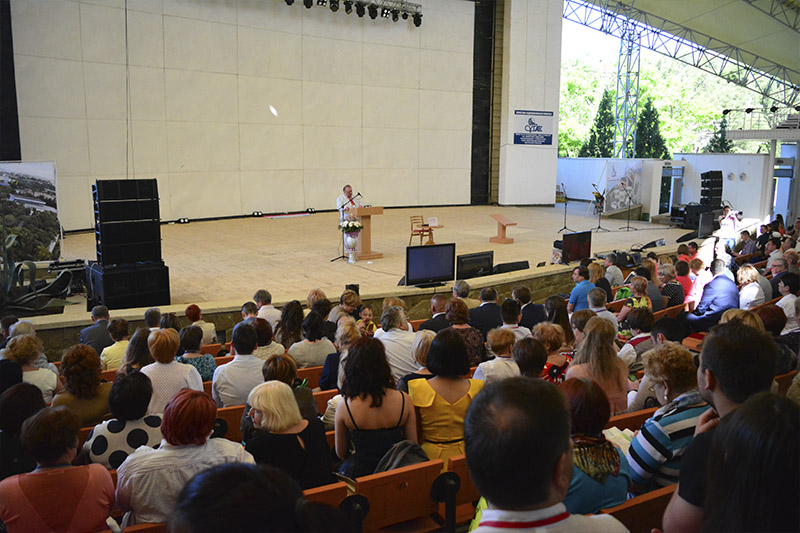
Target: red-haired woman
(149, 481)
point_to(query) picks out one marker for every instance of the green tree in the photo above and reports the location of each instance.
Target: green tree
(719, 143)
(649, 141)
(601, 136)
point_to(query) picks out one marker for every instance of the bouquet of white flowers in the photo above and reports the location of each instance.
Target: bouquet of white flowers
(350, 226)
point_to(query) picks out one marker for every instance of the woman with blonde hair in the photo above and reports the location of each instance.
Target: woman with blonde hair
(289, 442)
(745, 317)
(24, 349)
(552, 338)
(313, 296)
(596, 276)
(671, 289)
(167, 375)
(419, 349)
(333, 369)
(596, 358)
(750, 294)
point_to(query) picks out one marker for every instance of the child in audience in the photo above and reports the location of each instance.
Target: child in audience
(366, 325)
(638, 300)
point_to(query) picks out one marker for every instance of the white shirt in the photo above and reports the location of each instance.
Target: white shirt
(379, 332)
(343, 201)
(605, 314)
(149, 481)
(169, 379)
(270, 314)
(398, 351)
(209, 332)
(614, 275)
(497, 369)
(233, 382)
(520, 332)
(787, 304)
(751, 295)
(776, 254)
(495, 520)
(45, 380)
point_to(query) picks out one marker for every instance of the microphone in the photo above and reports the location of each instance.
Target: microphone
(594, 185)
(358, 194)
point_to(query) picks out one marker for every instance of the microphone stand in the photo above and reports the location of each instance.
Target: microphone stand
(566, 201)
(599, 227)
(627, 227)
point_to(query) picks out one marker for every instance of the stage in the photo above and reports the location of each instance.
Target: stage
(219, 264)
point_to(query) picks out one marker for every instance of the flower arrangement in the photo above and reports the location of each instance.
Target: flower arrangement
(350, 226)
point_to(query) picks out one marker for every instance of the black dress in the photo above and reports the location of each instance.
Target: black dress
(368, 446)
(310, 465)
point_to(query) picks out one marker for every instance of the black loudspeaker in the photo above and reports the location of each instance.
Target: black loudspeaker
(123, 288)
(510, 267)
(129, 254)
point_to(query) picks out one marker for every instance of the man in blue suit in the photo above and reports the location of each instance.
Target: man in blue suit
(532, 313)
(97, 335)
(719, 295)
(487, 315)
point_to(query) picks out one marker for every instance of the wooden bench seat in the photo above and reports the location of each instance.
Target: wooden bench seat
(632, 420)
(644, 512)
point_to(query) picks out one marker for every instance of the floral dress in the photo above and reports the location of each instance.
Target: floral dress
(555, 374)
(205, 365)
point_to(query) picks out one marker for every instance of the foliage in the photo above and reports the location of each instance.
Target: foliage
(649, 141)
(719, 143)
(601, 137)
(350, 226)
(36, 231)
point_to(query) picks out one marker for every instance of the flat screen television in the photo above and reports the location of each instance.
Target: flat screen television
(576, 246)
(430, 265)
(474, 265)
(705, 226)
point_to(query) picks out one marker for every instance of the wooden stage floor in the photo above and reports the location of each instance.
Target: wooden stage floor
(222, 263)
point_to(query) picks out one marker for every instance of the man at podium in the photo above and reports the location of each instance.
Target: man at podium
(345, 202)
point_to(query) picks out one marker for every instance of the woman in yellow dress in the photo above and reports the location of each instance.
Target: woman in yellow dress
(442, 401)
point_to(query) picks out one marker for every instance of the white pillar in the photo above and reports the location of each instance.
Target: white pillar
(531, 77)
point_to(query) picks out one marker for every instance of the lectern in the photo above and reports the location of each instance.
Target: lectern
(365, 240)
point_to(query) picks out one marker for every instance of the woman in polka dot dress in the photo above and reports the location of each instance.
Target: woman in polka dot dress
(110, 442)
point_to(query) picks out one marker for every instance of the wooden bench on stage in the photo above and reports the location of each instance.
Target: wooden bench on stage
(643, 513)
(502, 223)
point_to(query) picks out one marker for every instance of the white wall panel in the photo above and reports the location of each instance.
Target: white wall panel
(205, 194)
(325, 147)
(201, 96)
(322, 187)
(49, 87)
(438, 186)
(64, 141)
(386, 107)
(390, 148)
(106, 147)
(272, 191)
(391, 187)
(271, 146)
(149, 146)
(391, 66)
(199, 146)
(145, 39)
(147, 93)
(102, 34)
(199, 45)
(331, 104)
(270, 53)
(104, 84)
(52, 29)
(256, 95)
(330, 60)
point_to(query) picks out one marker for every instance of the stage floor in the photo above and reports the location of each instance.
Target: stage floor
(223, 262)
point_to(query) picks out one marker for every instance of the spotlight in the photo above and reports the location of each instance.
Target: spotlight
(405, 15)
(773, 109)
(395, 15)
(748, 110)
(289, 2)
(725, 111)
(258, 214)
(334, 5)
(348, 6)
(360, 9)
(386, 13)
(322, 3)
(417, 19)
(183, 220)
(308, 3)
(373, 11)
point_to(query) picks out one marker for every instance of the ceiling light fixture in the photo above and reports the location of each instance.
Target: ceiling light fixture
(417, 19)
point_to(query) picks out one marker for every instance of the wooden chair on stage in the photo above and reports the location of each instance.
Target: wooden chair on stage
(419, 228)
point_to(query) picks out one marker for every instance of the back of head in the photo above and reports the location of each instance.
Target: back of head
(743, 316)
(314, 295)
(682, 268)
(346, 333)
(670, 328)
(10, 374)
(118, 329)
(130, 396)
(683, 249)
(667, 271)
(773, 318)
(163, 345)
(597, 298)
(22, 327)
(595, 272)
(50, 433)
(263, 330)
(280, 367)
(747, 274)
(237, 497)
(188, 418)
(366, 371)
(461, 288)
(350, 298)
(6, 322)
(515, 433)
(263, 297)
(717, 266)
(598, 352)
(152, 317)
(193, 313)
(392, 318)
(391, 301)
(249, 309)
(277, 405)
(23, 349)
(80, 366)
(588, 405)
(641, 319)
(438, 302)
(170, 321)
(697, 264)
(191, 338)
(639, 285)
(488, 294)
(422, 345)
(672, 363)
(530, 356)
(448, 354)
(579, 319)
(500, 340)
(642, 271)
(244, 338)
(754, 468)
(612, 259)
(17, 404)
(550, 335)
(312, 326)
(522, 293)
(100, 312)
(510, 310)
(456, 311)
(322, 307)
(742, 360)
(137, 352)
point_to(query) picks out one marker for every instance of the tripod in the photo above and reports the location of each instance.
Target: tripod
(342, 256)
(602, 201)
(627, 226)
(566, 201)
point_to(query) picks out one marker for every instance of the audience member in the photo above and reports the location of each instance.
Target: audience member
(774, 320)
(773, 251)
(457, 314)
(313, 296)
(290, 327)
(719, 295)
(438, 320)
(152, 318)
(656, 450)
(56, 496)
(667, 329)
(597, 359)
(749, 246)
(597, 303)
(442, 401)
(578, 321)
(204, 363)
(552, 338)
(17, 404)
(511, 313)
(112, 441)
(266, 310)
(195, 315)
(613, 273)
(420, 348)
(372, 416)
(750, 293)
(487, 315)
(397, 341)
(682, 271)
(26, 327)
(577, 297)
(600, 473)
(149, 481)
(701, 278)
(693, 249)
(365, 322)
(638, 300)
(532, 313)
(315, 347)
(778, 270)
(266, 345)
(788, 287)
(232, 382)
(288, 441)
(671, 290)
(683, 253)
(166, 374)
(557, 314)
(764, 235)
(640, 322)
(170, 321)
(111, 356)
(349, 302)
(5, 328)
(461, 291)
(735, 363)
(323, 309)
(501, 342)
(517, 436)
(530, 356)
(597, 279)
(10, 374)
(648, 271)
(137, 354)
(84, 394)
(249, 310)
(791, 262)
(333, 369)
(97, 335)
(753, 470)
(23, 350)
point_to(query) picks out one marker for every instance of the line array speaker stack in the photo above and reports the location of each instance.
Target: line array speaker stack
(711, 188)
(129, 271)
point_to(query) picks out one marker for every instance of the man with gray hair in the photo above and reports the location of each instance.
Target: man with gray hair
(266, 310)
(613, 273)
(461, 291)
(152, 318)
(97, 335)
(397, 341)
(778, 269)
(597, 303)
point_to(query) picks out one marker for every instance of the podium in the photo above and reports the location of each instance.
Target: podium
(365, 241)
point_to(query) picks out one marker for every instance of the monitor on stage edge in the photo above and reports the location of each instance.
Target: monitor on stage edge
(430, 265)
(474, 265)
(705, 226)
(576, 246)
